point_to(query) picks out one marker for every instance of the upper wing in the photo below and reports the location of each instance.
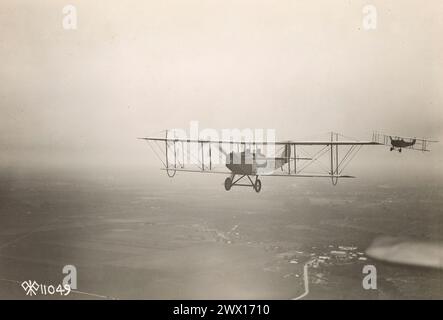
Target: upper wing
(281, 143)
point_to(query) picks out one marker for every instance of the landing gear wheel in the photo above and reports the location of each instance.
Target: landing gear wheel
(391, 149)
(399, 150)
(257, 185)
(228, 184)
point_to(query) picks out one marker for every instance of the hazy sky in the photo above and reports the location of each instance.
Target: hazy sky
(137, 67)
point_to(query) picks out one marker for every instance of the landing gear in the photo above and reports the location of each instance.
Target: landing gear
(230, 182)
(399, 150)
(257, 185)
(392, 148)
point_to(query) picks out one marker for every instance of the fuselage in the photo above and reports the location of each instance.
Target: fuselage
(245, 163)
(252, 163)
(400, 143)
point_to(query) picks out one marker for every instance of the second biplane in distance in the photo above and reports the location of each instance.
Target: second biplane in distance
(245, 161)
(399, 143)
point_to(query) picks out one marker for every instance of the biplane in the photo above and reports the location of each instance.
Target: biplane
(399, 143)
(245, 161)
